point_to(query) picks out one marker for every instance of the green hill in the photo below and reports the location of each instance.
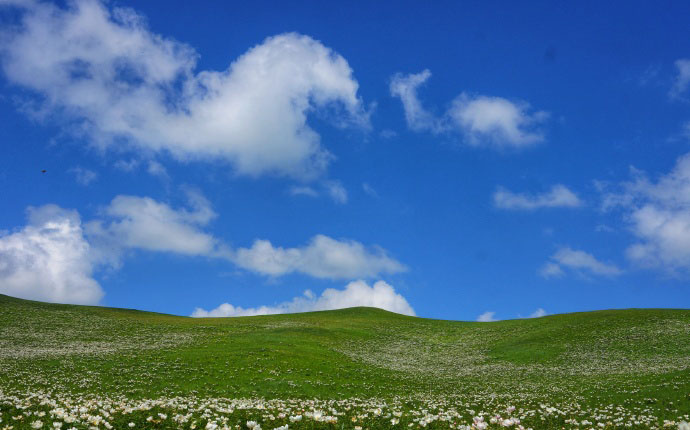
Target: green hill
(622, 368)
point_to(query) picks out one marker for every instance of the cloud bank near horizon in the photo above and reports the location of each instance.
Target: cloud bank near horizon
(357, 293)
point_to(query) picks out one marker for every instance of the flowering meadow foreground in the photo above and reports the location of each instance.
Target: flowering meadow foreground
(73, 367)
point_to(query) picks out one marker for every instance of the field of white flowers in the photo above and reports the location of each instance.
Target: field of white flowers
(69, 367)
(38, 411)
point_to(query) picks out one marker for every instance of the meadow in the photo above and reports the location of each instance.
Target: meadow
(78, 367)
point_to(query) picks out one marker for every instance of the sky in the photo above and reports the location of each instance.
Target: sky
(452, 160)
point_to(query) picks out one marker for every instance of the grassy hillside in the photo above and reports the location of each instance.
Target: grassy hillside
(627, 368)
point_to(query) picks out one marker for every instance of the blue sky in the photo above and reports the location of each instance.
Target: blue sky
(455, 160)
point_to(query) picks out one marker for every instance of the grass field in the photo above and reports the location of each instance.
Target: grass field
(64, 366)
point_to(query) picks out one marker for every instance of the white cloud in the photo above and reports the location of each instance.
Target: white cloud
(84, 176)
(551, 270)
(131, 222)
(658, 214)
(557, 196)
(49, 259)
(665, 237)
(538, 313)
(333, 189)
(53, 257)
(303, 191)
(487, 316)
(144, 223)
(358, 293)
(369, 190)
(126, 165)
(496, 121)
(106, 74)
(482, 120)
(578, 261)
(323, 257)
(682, 80)
(490, 316)
(604, 228)
(388, 133)
(405, 88)
(336, 191)
(157, 169)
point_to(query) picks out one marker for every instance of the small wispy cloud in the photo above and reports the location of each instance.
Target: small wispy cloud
(538, 313)
(336, 191)
(487, 316)
(682, 79)
(333, 189)
(559, 196)
(369, 190)
(84, 176)
(127, 165)
(579, 261)
(155, 168)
